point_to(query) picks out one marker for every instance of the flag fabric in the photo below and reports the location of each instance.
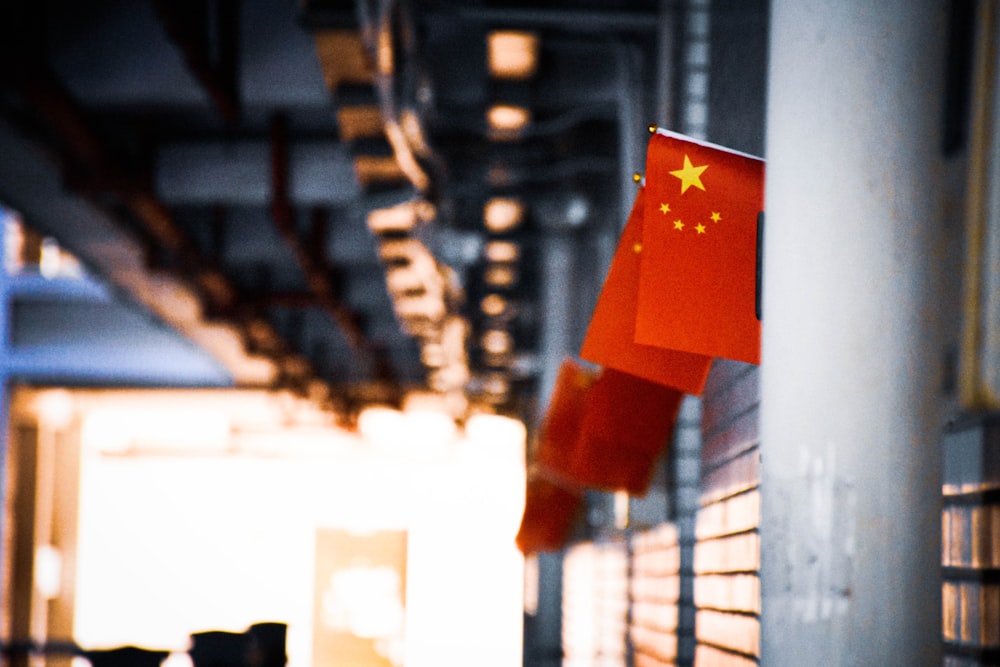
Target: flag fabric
(609, 340)
(627, 424)
(560, 427)
(604, 429)
(549, 513)
(697, 274)
(552, 499)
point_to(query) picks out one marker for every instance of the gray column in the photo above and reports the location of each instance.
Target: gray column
(854, 310)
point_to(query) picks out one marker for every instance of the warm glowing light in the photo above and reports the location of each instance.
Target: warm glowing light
(177, 659)
(621, 509)
(55, 409)
(417, 285)
(502, 214)
(343, 57)
(385, 53)
(400, 218)
(502, 251)
(54, 262)
(381, 425)
(452, 373)
(500, 275)
(48, 571)
(48, 262)
(512, 54)
(149, 430)
(429, 429)
(507, 121)
(493, 305)
(485, 429)
(364, 601)
(403, 152)
(358, 122)
(416, 430)
(186, 551)
(433, 355)
(497, 386)
(414, 132)
(497, 341)
(426, 401)
(13, 241)
(531, 585)
(402, 280)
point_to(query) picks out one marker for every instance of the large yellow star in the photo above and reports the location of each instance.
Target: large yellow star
(689, 175)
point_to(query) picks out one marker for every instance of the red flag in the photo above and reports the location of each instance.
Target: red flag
(627, 423)
(560, 428)
(610, 335)
(604, 429)
(549, 512)
(697, 279)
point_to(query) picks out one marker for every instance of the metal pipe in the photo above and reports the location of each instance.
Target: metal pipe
(571, 20)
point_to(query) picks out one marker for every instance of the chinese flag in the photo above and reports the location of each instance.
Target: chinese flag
(549, 512)
(697, 277)
(627, 423)
(560, 428)
(611, 333)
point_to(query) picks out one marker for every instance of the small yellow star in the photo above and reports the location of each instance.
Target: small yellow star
(664, 208)
(700, 228)
(716, 217)
(678, 224)
(637, 248)
(689, 175)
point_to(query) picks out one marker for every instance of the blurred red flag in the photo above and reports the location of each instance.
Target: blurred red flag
(697, 278)
(611, 333)
(604, 429)
(552, 499)
(549, 512)
(627, 423)
(560, 427)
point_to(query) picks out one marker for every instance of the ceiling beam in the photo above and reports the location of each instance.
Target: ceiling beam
(237, 173)
(95, 169)
(310, 257)
(207, 34)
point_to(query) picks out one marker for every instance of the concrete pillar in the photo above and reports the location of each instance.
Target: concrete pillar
(854, 311)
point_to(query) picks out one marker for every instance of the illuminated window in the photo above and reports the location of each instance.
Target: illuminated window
(507, 121)
(500, 275)
(27, 251)
(503, 214)
(497, 341)
(493, 305)
(502, 251)
(512, 54)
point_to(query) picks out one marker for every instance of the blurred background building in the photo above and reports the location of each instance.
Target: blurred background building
(287, 285)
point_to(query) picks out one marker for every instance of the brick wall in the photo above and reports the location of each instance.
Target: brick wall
(687, 590)
(727, 548)
(970, 546)
(595, 604)
(655, 590)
